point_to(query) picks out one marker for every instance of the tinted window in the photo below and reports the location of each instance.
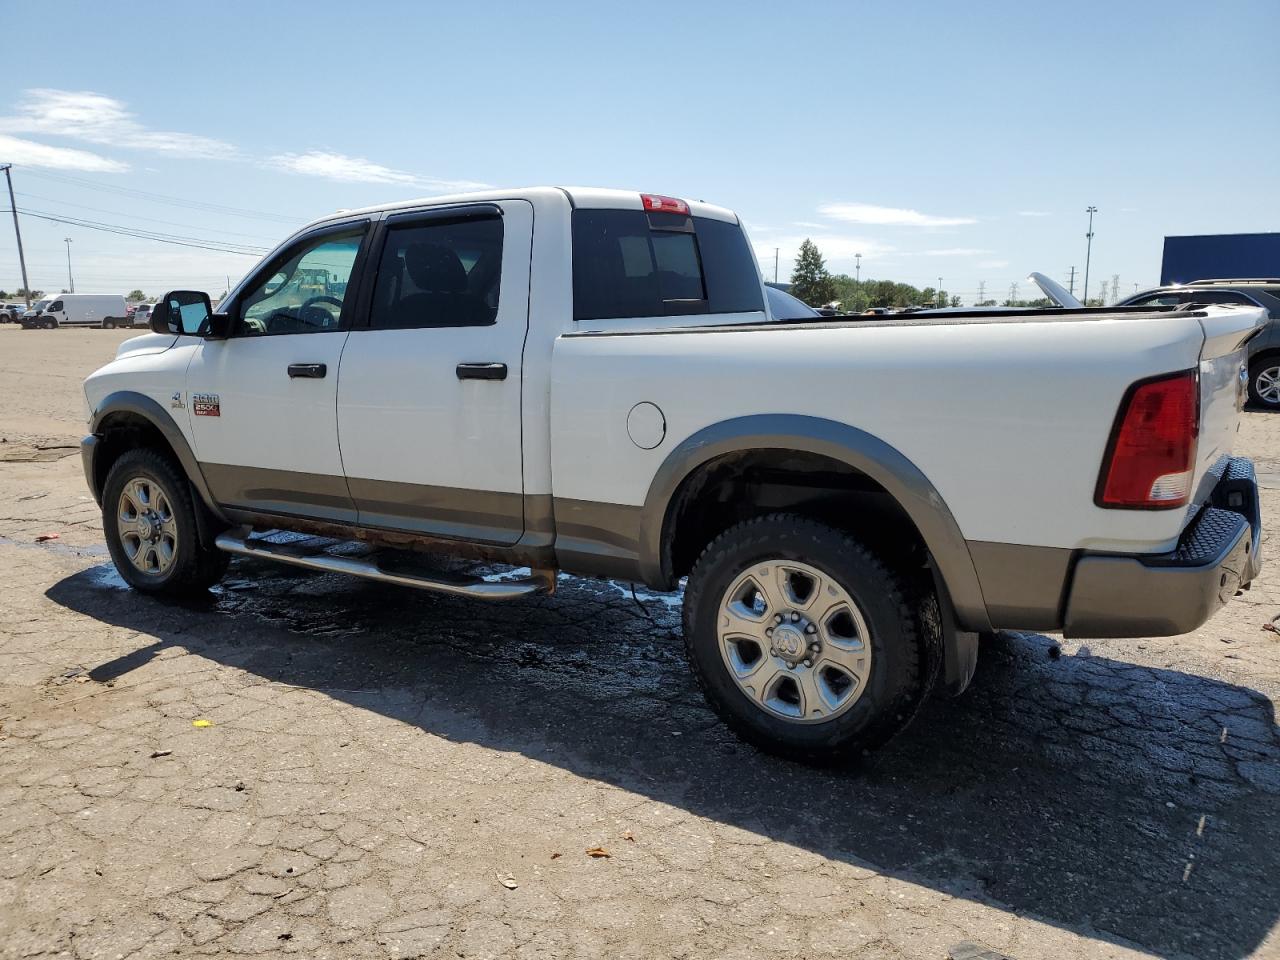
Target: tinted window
(439, 274)
(304, 293)
(627, 263)
(1216, 296)
(55, 306)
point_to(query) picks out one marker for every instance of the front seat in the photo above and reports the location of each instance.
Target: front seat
(443, 299)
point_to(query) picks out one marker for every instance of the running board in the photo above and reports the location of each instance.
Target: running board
(540, 581)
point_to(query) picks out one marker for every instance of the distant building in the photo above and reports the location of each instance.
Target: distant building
(1220, 256)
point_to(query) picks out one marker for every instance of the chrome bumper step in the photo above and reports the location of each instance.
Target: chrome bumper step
(539, 581)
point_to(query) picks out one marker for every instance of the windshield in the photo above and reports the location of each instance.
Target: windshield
(784, 306)
(40, 304)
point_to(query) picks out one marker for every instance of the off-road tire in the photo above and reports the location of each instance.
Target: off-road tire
(195, 567)
(905, 641)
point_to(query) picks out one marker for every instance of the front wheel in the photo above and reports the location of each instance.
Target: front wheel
(108, 324)
(805, 642)
(149, 520)
(1264, 382)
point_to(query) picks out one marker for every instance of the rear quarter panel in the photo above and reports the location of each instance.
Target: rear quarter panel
(1008, 420)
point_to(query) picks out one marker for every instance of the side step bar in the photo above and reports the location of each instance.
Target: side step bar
(541, 581)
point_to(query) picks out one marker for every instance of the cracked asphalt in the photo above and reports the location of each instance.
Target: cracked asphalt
(311, 765)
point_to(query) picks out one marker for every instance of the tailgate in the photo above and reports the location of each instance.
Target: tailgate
(1223, 380)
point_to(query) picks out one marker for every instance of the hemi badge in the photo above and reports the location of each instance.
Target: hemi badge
(206, 405)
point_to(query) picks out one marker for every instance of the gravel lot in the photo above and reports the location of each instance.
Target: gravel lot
(386, 773)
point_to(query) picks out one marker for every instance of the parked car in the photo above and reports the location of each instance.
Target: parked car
(783, 306)
(1263, 350)
(10, 312)
(612, 396)
(83, 310)
(31, 317)
(140, 315)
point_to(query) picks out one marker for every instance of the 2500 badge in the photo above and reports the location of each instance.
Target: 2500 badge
(206, 405)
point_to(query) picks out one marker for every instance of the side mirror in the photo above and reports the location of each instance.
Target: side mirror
(182, 312)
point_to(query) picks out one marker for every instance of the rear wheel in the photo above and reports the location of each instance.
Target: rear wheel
(149, 520)
(108, 323)
(1264, 381)
(805, 642)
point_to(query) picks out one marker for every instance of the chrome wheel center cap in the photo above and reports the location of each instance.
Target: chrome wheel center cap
(147, 527)
(789, 641)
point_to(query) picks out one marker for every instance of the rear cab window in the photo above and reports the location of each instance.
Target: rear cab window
(636, 263)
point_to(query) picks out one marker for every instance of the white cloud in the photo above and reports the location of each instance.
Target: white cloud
(955, 252)
(96, 118)
(888, 216)
(993, 264)
(32, 154)
(338, 166)
(1034, 213)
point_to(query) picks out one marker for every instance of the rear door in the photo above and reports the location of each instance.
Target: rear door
(429, 396)
(262, 402)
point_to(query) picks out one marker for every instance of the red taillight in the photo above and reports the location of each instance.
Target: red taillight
(1151, 460)
(656, 204)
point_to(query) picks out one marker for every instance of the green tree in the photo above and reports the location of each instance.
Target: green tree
(955, 301)
(136, 296)
(810, 280)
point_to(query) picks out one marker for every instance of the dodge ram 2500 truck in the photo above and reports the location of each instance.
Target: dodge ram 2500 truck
(591, 381)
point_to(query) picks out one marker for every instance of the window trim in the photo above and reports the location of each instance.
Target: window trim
(355, 282)
(422, 216)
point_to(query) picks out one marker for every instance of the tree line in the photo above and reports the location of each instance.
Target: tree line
(816, 286)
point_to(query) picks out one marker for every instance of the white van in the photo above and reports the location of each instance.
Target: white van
(85, 310)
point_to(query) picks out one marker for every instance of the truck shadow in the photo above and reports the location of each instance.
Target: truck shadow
(1071, 790)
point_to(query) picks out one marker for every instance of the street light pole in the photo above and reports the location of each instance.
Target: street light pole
(70, 280)
(1087, 252)
(22, 260)
(857, 268)
(775, 264)
(941, 302)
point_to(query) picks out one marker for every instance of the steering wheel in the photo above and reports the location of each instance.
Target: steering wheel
(311, 304)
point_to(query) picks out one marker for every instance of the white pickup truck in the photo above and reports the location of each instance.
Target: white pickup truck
(591, 381)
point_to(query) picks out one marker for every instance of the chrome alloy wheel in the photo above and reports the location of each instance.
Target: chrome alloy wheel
(148, 530)
(794, 641)
(1266, 385)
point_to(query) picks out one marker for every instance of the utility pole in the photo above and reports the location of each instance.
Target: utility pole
(1088, 251)
(1071, 284)
(857, 268)
(775, 268)
(982, 292)
(70, 279)
(22, 260)
(1115, 288)
(1013, 293)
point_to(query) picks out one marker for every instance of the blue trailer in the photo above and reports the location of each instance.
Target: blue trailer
(1222, 256)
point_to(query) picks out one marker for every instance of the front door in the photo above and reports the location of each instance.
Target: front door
(262, 402)
(429, 398)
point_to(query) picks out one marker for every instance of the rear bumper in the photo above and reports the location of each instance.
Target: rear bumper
(1160, 595)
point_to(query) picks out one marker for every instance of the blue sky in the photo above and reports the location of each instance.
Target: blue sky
(937, 139)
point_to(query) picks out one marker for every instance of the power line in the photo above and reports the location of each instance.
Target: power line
(164, 198)
(217, 246)
(135, 216)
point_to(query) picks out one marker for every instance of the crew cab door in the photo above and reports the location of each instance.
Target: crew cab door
(262, 402)
(429, 396)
